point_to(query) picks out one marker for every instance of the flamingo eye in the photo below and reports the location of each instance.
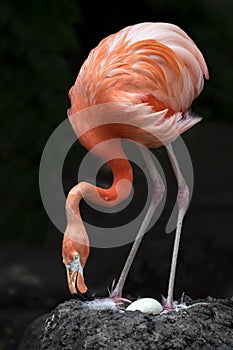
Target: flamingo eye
(76, 256)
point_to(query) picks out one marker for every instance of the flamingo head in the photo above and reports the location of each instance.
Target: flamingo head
(74, 258)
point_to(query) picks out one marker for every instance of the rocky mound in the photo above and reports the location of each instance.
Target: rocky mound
(73, 325)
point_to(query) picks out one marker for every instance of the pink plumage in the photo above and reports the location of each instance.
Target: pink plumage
(136, 84)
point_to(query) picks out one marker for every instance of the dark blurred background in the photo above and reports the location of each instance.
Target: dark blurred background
(43, 45)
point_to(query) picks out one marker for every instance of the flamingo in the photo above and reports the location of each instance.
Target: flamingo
(136, 84)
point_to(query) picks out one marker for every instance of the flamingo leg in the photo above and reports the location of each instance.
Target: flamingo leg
(182, 201)
(158, 192)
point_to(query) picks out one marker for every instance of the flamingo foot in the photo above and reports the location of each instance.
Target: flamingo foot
(169, 306)
(116, 295)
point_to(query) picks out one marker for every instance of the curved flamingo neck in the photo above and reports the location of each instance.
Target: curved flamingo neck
(115, 194)
(122, 182)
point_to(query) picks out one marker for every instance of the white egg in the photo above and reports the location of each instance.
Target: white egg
(148, 305)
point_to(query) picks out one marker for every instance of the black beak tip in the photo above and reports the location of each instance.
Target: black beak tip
(83, 296)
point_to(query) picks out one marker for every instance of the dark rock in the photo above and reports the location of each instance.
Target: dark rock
(73, 325)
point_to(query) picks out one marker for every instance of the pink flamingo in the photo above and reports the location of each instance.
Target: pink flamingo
(148, 75)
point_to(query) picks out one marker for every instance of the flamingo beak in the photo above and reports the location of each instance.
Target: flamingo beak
(72, 279)
(74, 271)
